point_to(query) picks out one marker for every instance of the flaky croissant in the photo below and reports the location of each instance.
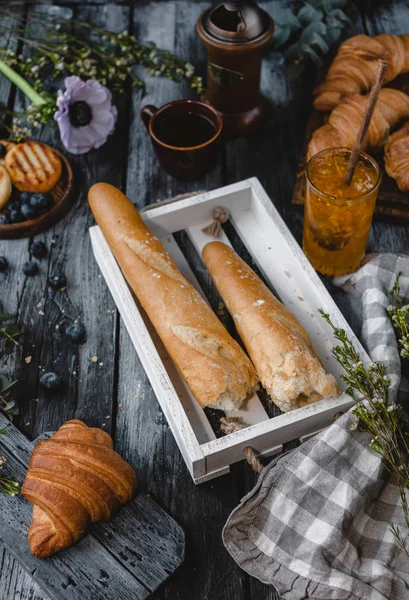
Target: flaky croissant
(344, 121)
(354, 67)
(74, 479)
(397, 157)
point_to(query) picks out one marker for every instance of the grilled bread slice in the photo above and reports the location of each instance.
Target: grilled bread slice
(33, 167)
(5, 186)
(8, 146)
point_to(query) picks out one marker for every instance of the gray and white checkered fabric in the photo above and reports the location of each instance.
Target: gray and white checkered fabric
(317, 524)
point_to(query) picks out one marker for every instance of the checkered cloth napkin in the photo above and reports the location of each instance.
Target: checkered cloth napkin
(317, 524)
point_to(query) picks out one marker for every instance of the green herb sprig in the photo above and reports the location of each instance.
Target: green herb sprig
(7, 486)
(52, 50)
(399, 315)
(385, 423)
(8, 406)
(9, 331)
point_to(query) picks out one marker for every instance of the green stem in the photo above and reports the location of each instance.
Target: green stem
(22, 84)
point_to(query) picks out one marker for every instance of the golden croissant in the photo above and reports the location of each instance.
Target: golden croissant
(397, 157)
(344, 122)
(354, 67)
(74, 479)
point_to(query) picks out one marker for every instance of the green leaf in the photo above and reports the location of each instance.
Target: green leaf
(9, 406)
(5, 389)
(285, 17)
(313, 55)
(333, 35)
(340, 16)
(320, 42)
(12, 329)
(316, 28)
(308, 15)
(281, 35)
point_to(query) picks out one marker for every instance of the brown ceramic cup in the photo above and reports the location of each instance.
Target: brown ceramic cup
(186, 136)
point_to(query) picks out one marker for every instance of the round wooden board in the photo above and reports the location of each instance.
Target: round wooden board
(63, 200)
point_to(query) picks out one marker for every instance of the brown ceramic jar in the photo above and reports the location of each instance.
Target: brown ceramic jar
(235, 34)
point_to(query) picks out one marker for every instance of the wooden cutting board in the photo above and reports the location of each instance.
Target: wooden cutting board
(124, 559)
(392, 205)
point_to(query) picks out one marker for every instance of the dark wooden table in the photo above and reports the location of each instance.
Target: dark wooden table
(114, 392)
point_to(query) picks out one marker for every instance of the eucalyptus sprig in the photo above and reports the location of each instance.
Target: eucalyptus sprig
(7, 486)
(311, 29)
(386, 423)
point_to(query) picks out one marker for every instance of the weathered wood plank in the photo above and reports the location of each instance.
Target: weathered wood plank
(142, 434)
(126, 558)
(88, 386)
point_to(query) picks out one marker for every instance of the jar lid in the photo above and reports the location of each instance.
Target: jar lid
(236, 21)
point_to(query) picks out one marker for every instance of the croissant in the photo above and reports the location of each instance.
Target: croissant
(344, 121)
(74, 479)
(397, 157)
(354, 67)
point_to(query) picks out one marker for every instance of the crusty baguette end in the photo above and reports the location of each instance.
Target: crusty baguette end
(278, 345)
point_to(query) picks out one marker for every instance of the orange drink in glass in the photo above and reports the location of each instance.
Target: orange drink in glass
(337, 217)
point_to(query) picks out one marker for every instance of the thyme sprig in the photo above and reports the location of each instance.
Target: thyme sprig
(385, 423)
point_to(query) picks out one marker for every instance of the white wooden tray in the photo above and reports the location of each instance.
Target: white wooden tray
(293, 279)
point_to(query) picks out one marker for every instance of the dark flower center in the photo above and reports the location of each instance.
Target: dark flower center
(80, 113)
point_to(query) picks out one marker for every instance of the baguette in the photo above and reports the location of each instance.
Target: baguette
(279, 347)
(213, 365)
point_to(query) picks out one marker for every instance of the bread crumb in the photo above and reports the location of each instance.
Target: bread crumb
(120, 405)
(28, 359)
(288, 274)
(41, 313)
(258, 302)
(103, 425)
(300, 298)
(94, 358)
(108, 416)
(101, 364)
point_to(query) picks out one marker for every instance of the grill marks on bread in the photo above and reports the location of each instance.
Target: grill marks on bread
(33, 167)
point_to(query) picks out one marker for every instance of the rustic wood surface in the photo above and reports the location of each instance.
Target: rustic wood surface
(114, 392)
(128, 557)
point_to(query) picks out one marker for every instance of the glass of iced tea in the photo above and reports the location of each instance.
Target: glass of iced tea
(337, 217)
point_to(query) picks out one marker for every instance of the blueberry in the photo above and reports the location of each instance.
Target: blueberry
(3, 150)
(25, 197)
(28, 211)
(4, 219)
(4, 263)
(41, 201)
(30, 268)
(14, 206)
(75, 333)
(38, 250)
(57, 281)
(16, 216)
(50, 381)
